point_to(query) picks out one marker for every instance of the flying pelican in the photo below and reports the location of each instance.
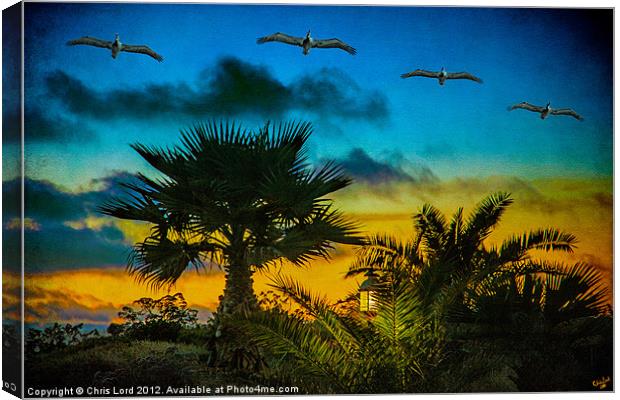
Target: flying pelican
(307, 42)
(441, 75)
(116, 46)
(546, 110)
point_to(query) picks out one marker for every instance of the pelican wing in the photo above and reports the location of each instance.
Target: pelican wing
(463, 75)
(527, 106)
(282, 38)
(142, 50)
(90, 41)
(567, 111)
(420, 72)
(334, 44)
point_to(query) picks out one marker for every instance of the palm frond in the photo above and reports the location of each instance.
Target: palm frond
(516, 248)
(170, 162)
(399, 313)
(431, 226)
(456, 226)
(312, 353)
(551, 290)
(319, 308)
(160, 262)
(376, 253)
(316, 236)
(295, 196)
(579, 292)
(486, 215)
(240, 194)
(133, 207)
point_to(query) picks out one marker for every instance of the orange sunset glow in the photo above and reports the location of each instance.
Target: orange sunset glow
(582, 207)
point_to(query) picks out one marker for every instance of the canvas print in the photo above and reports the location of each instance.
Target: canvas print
(221, 199)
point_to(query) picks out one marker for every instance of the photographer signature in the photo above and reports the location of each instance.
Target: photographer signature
(601, 383)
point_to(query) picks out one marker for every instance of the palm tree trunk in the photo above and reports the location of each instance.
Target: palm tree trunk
(232, 347)
(238, 291)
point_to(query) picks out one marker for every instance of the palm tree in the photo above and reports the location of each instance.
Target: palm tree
(501, 307)
(447, 259)
(235, 199)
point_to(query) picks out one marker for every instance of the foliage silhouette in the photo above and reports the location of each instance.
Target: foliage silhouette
(55, 337)
(453, 314)
(499, 306)
(121, 363)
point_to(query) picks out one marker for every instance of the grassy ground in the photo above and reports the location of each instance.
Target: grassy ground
(120, 363)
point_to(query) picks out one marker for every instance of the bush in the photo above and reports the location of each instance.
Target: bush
(155, 319)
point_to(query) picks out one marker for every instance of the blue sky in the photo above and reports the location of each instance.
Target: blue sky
(461, 129)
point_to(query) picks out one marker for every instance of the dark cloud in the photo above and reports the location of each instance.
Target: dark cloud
(60, 241)
(56, 246)
(59, 247)
(46, 201)
(11, 126)
(44, 127)
(604, 200)
(109, 185)
(231, 87)
(234, 86)
(331, 90)
(359, 165)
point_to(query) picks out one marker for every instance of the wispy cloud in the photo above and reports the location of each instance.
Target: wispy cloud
(44, 305)
(363, 168)
(94, 296)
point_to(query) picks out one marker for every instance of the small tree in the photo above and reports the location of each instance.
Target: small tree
(155, 319)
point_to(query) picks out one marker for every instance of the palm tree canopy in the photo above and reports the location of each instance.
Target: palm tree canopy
(445, 258)
(226, 196)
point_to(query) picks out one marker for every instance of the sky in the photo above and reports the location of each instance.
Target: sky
(404, 141)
